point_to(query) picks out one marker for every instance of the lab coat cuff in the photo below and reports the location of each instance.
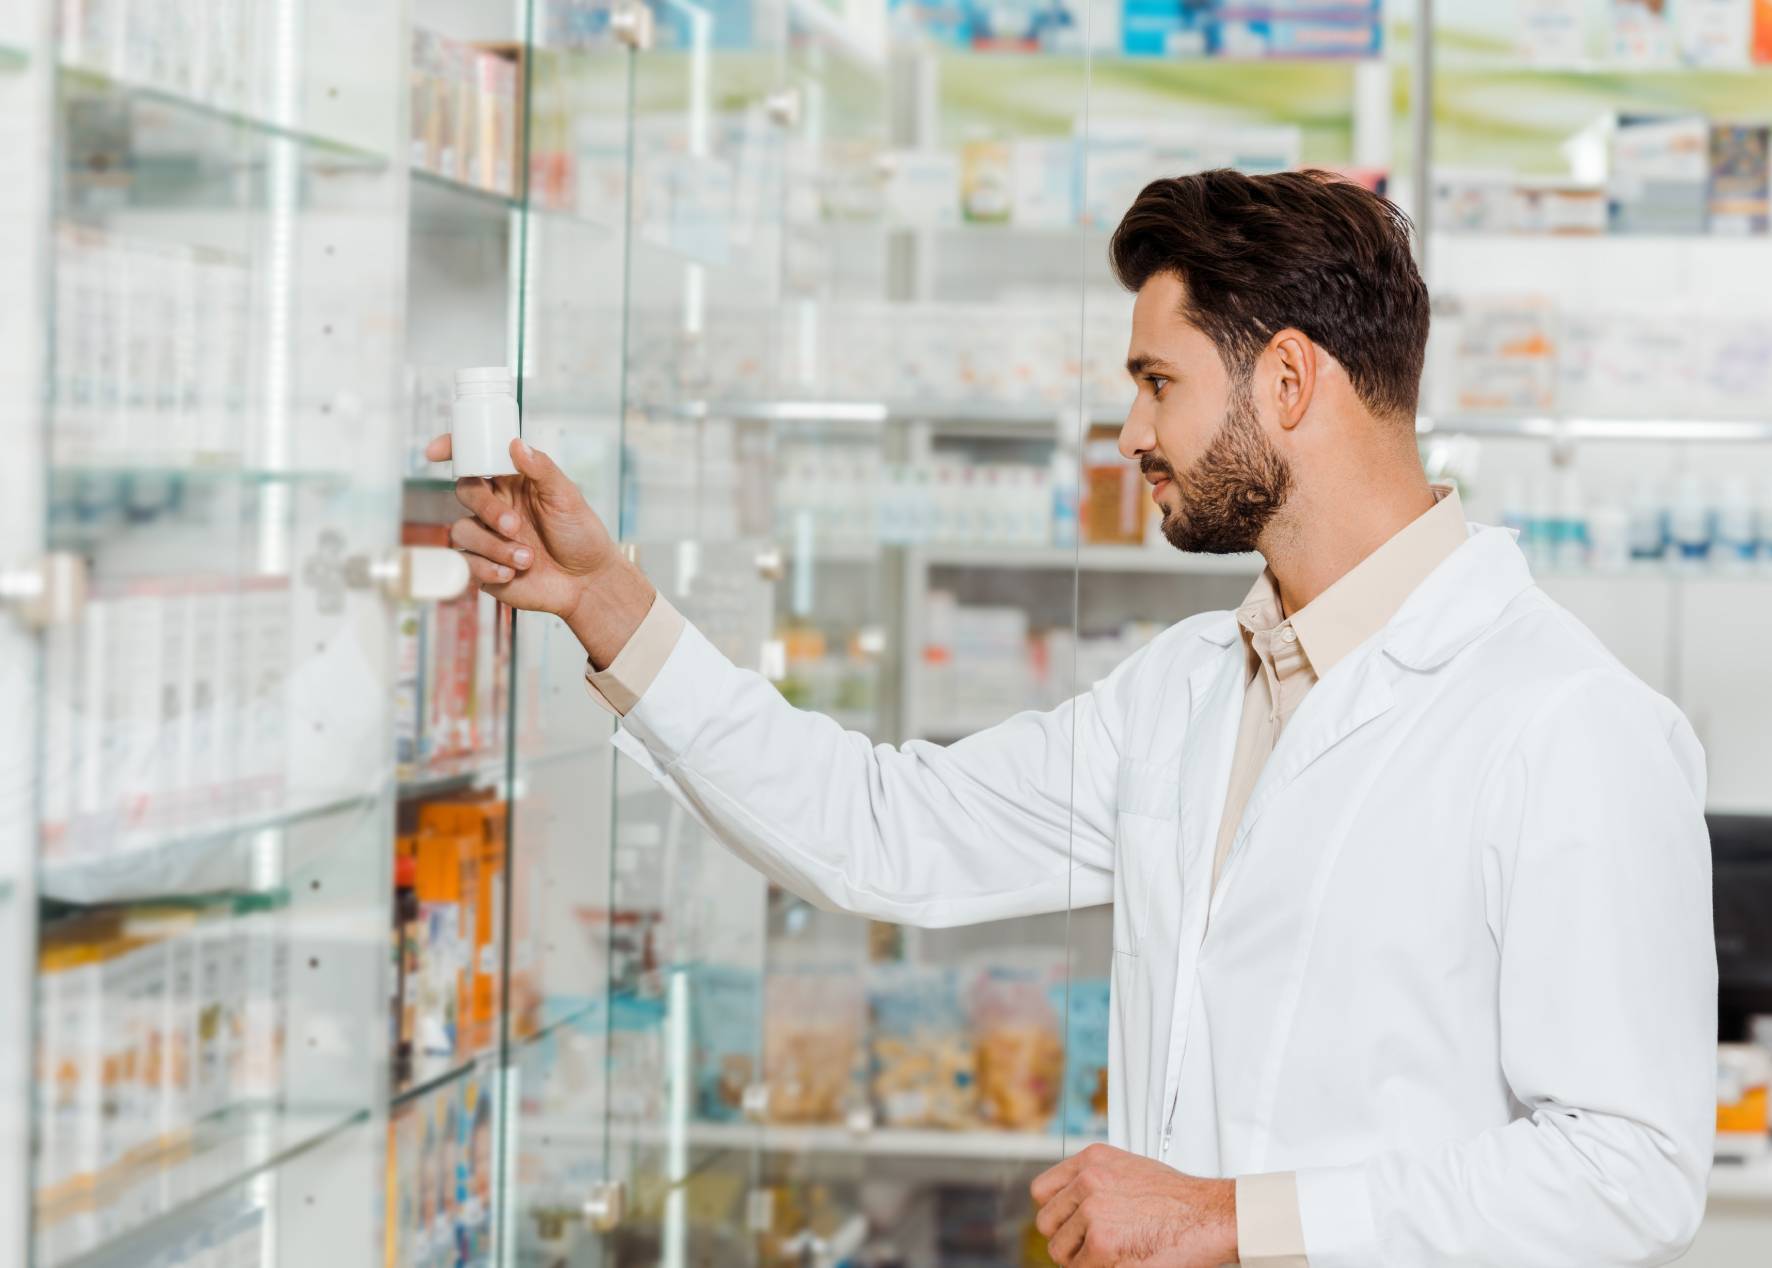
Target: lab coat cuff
(1269, 1232)
(675, 708)
(630, 675)
(1335, 1213)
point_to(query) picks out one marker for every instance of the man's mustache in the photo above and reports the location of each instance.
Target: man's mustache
(1151, 465)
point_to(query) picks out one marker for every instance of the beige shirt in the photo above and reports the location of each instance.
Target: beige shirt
(1287, 655)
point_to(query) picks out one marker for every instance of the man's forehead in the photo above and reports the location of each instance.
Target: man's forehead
(1163, 294)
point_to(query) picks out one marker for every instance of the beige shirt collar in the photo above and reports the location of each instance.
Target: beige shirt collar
(1365, 598)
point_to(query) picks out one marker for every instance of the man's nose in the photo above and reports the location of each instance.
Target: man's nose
(1137, 437)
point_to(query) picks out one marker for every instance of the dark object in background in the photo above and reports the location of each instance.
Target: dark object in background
(1741, 880)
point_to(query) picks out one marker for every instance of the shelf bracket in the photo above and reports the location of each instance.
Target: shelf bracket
(630, 21)
(50, 591)
(605, 1205)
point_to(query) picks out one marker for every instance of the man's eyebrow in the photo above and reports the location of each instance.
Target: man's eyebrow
(1142, 362)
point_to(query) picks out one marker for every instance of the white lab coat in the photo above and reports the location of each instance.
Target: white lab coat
(1458, 972)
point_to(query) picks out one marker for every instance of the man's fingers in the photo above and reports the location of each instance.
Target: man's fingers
(1050, 1181)
(1054, 1213)
(472, 535)
(1067, 1243)
(440, 448)
(483, 500)
(487, 572)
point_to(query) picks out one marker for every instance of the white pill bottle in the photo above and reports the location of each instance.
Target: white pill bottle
(485, 422)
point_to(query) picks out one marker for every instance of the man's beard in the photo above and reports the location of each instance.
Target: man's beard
(1230, 494)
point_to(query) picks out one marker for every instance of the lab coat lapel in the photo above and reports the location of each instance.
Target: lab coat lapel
(1215, 707)
(1349, 696)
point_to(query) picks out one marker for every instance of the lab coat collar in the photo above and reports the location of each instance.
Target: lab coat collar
(1459, 600)
(1447, 611)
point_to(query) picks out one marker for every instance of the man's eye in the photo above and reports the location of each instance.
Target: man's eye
(1157, 382)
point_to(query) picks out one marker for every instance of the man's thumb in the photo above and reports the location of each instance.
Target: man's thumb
(538, 467)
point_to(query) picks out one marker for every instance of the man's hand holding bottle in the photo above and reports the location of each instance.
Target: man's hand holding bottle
(532, 541)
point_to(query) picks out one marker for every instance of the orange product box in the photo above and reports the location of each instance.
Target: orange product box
(480, 825)
(446, 867)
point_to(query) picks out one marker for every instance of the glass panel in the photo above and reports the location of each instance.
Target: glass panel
(846, 402)
(561, 913)
(214, 793)
(26, 71)
(460, 848)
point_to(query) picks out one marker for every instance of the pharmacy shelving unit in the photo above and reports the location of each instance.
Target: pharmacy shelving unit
(241, 264)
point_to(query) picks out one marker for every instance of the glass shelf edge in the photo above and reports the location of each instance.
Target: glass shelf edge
(496, 201)
(480, 1061)
(85, 881)
(93, 77)
(104, 1250)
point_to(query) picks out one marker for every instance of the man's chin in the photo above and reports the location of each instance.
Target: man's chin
(1182, 535)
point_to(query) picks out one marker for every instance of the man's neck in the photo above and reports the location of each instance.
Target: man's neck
(1320, 537)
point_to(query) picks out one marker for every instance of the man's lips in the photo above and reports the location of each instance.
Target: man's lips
(1158, 484)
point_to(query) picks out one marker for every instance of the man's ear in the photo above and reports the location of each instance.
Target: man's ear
(1294, 381)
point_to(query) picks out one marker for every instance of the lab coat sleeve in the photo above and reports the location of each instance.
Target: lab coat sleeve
(1013, 821)
(1597, 881)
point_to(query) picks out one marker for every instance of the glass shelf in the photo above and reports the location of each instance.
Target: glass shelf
(446, 202)
(89, 78)
(474, 195)
(226, 1151)
(1553, 428)
(211, 860)
(1091, 559)
(421, 1088)
(125, 475)
(1504, 64)
(1009, 417)
(473, 771)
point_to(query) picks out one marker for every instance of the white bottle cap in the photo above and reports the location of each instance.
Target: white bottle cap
(483, 380)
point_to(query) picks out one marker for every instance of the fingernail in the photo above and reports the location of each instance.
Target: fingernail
(524, 446)
(504, 573)
(521, 556)
(507, 523)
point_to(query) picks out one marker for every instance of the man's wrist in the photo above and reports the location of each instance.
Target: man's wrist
(1225, 1223)
(610, 606)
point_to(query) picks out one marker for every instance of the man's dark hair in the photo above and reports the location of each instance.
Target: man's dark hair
(1306, 249)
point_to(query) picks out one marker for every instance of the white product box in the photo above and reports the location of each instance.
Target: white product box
(61, 734)
(262, 937)
(923, 188)
(139, 678)
(264, 690)
(95, 714)
(1551, 32)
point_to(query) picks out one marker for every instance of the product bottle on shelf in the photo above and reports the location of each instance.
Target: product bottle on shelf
(1689, 522)
(1570, 534)
(1737, 530)
(1609, 538)
(1648, 522)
